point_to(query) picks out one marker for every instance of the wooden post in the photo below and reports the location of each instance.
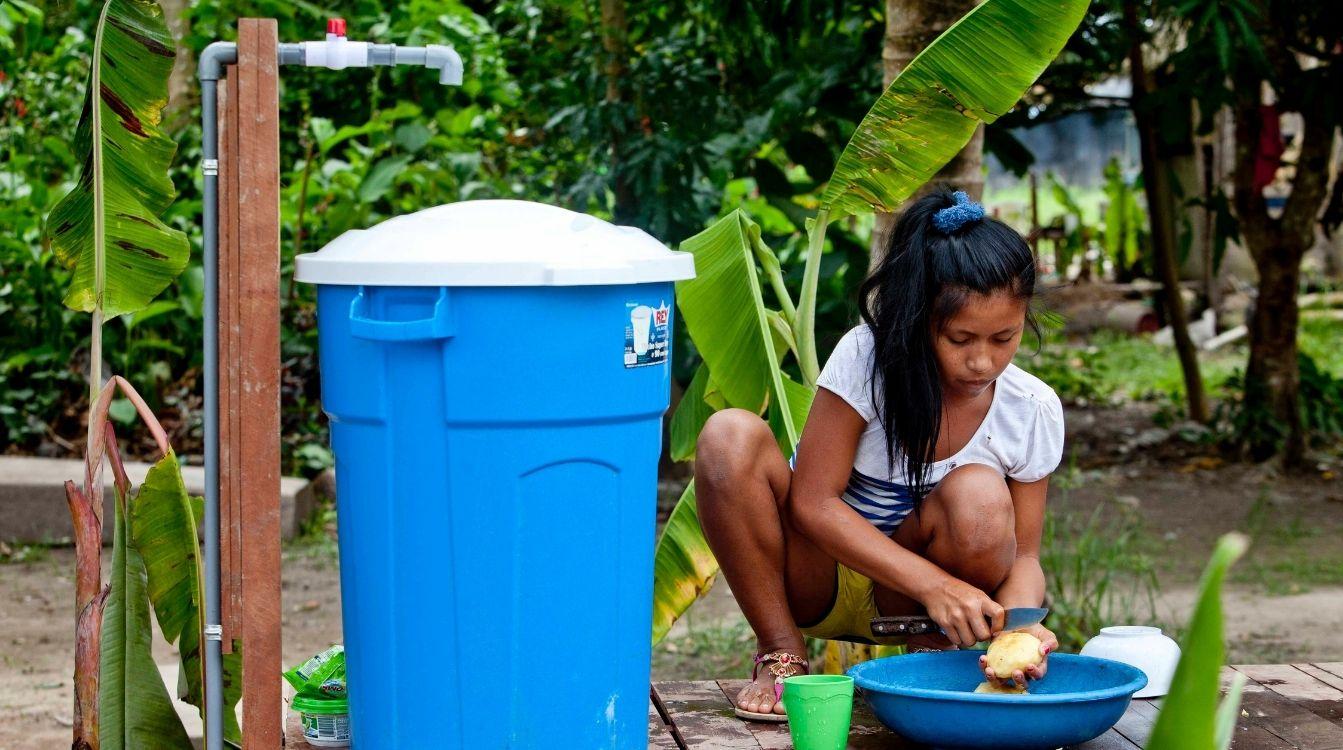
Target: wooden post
(249, 348)
(230, 537)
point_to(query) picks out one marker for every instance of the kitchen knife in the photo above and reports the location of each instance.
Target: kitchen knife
(1017, 618)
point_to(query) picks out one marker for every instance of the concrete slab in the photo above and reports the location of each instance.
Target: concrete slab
(33, 509)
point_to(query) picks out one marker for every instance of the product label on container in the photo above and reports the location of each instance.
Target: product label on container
(647, 334)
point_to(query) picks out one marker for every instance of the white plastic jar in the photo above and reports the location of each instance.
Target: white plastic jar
(1141, 646)
(326, 722)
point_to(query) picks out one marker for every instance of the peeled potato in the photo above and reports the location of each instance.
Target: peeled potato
(1011, 652)
(997, 688)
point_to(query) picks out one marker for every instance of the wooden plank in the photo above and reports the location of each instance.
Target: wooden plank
(1137, 722)
(659, 736)
(223, 121)
(1250, 735)
(1328, 678)
(258, 357)
(1287, 720)
(1318, 696)
(233, 416)
(1111, 740)
(1332, 667)
(865, 730)
(1282, 707)
(701, 718)
(1290, 682)
(230, 552)
(1136, 726)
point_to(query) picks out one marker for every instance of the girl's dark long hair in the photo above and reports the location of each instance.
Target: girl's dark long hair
(923, 281)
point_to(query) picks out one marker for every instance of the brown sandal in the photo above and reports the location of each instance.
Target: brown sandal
(784, 666)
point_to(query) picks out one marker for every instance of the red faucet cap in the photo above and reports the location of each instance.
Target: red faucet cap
(335, 26)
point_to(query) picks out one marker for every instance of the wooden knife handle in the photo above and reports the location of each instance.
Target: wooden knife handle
(904, 625)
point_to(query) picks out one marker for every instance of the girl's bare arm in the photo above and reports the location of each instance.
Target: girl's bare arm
(825, 461)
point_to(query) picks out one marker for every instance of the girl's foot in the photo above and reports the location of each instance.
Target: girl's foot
(760, 700)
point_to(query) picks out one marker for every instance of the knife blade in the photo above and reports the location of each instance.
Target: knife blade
(1024, 617)
(1017, 618)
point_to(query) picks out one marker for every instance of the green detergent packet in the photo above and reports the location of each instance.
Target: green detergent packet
(322, 676)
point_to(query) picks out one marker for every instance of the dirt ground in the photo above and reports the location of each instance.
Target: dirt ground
(1285, 602)
(37, 639)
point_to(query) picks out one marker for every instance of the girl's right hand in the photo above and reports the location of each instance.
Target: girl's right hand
(966, 614)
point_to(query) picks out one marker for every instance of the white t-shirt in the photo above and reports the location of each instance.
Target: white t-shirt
(1021, 436)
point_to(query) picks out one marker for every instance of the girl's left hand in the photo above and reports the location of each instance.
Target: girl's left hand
(1048, 644)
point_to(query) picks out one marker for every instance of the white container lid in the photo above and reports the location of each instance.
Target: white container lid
(494, 243)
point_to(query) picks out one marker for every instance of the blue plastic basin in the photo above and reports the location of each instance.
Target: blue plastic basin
(929, 698)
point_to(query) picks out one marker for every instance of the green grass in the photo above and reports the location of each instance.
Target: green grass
(1099, 571)
(1319, 338)
(706, 652)
(1288, 553)
(1293, 571)
(317, 539)
(23, 553)
(1111, 365)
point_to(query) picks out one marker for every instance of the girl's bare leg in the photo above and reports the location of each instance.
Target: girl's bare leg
(778, 577)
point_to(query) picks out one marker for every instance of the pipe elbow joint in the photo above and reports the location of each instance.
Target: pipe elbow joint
(213, 59)
(446, 61)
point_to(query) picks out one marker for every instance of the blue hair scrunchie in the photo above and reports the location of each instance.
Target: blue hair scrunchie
(953, 218)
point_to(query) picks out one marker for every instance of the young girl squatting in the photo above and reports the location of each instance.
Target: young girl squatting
(918, 485)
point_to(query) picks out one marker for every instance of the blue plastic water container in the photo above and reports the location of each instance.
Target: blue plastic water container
(496, 373)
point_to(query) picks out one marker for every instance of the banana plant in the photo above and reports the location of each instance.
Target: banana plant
(121, 701)
(972, 74)
(107, 231)
(133, 704)
(1191, 718)
(163, 523)
(107, 228)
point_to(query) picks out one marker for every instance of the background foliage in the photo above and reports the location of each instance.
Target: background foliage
(721, 105)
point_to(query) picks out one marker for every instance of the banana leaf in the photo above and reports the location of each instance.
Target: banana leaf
(163, 525)
(1190, 718)
(684, 567)
(739, 339)
(107, 229)
(726, 315)
(799, 405)
(973, 73)
(690, 415)
(135, 710)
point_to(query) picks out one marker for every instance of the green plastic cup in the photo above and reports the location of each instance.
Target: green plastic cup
(819, 708)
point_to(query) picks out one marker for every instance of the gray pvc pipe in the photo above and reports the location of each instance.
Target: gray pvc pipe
(209, 70)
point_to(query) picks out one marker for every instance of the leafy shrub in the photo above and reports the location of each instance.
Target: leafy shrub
(714, 103)
(1073, 373)
(1097, 575)
(1320, 401)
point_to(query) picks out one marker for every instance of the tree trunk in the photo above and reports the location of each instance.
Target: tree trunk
(1212, 287)
(615, 30)
(1156, 185)
(1332, 239)
(1272, 378)
(912, 25)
